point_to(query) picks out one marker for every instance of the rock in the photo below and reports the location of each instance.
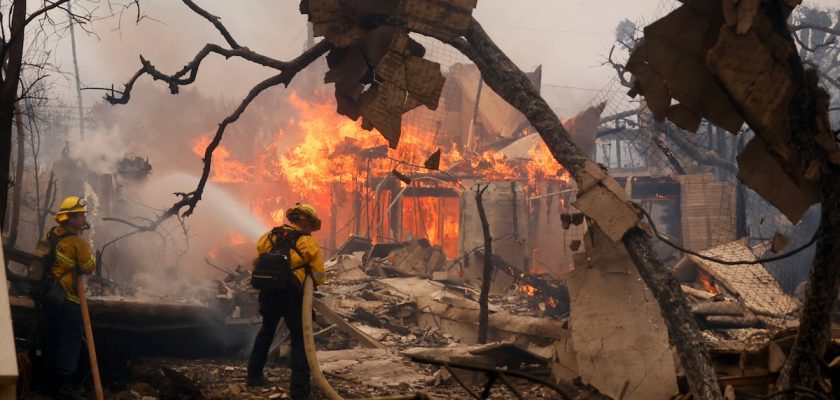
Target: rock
(235, 389)
(143, 389)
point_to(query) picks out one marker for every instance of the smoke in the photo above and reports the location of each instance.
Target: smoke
(99, 151)
(171, 261)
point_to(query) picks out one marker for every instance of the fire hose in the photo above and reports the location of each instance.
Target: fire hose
(309, 343)
(312, 358)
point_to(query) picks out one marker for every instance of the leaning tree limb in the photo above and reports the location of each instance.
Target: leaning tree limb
(678, 136)
(506, 79)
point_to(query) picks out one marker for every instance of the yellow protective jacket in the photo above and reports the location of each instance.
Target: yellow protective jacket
(71, 252)
(310, 253)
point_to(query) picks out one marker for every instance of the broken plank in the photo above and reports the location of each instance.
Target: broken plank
(345, 326)
(702, 294)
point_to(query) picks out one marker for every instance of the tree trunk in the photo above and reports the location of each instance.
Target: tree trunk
(506, 79)
(483, 309)
(808, 109)
(17, 192)
(8, 96)
(802, 368)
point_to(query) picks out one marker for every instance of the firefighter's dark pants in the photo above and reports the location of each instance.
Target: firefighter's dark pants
(274, 305)
(63, 341)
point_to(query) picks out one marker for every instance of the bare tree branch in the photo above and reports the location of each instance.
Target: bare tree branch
(215, 21)
(191, 199)
(678, 136)
(187, 75)
(619, 68)
(812, 49)
(833, 81)
(825, 29)
(181, 78)
(17, 33)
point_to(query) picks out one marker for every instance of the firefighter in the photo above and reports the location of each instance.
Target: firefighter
(63, 318)
(286, 303)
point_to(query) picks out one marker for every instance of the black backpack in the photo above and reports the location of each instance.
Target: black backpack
(273, 269)
(50, 289)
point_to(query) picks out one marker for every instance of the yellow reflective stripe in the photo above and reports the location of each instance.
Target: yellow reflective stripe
(88, 265)
(64, 259)
(73, 298)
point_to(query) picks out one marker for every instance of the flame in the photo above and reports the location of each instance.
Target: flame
(225, 169)
(330, 162)
(553, 303)
(527, 289)
(313, 165)
(435, 219)
(542, 165)
(235, 238)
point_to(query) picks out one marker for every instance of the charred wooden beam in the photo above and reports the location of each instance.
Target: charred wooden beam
(442, 192)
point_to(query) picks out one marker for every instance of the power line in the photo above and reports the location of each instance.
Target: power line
(523, 28)
(725, 262)
(571, 87)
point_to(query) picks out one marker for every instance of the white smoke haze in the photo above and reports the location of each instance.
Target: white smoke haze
(171, 262)
(99, 151)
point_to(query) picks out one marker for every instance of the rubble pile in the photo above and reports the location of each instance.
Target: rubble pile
(369, 328)
(396, 318)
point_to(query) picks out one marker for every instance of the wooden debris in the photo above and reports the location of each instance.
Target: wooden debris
(752, 282)
(729, 393)
(775, 357)
(730, 308)
(707, 208)
(701, 294)
(404, 80)
(729, 321)
(604, 201)
(779, 242)
(442, 19)
(671, 63)
(183, 383)
(604, 327)
(703, 55)
(759, 170)
(345, 326)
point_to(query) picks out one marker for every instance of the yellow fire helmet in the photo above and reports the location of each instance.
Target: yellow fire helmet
(307, 211)
(70, 204)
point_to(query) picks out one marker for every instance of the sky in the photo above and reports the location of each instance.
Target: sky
(570, 38)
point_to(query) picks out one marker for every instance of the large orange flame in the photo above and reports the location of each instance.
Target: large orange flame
(329, 161)
(225, 169)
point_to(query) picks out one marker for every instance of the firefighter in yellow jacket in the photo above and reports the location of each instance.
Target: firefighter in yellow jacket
(73, 256)
(286, 303)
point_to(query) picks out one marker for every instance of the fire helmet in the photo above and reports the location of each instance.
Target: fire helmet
(307, 211)
(70, 204)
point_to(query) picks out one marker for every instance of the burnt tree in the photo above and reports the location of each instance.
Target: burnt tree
(487, 277)
(506, 79)
(11, 54)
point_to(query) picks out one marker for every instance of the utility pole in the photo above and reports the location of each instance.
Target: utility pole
(76, 68)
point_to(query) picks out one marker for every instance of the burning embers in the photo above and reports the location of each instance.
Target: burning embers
(543, 289)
